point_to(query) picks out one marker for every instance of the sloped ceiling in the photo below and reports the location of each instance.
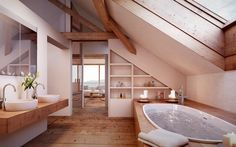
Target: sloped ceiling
(223, 8)
(160, 44)
(163, 46)
(88, 6)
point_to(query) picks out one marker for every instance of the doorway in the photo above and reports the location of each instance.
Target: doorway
(89, 78)
(94, 83)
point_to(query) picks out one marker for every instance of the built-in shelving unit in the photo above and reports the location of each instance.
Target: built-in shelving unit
(127, 82)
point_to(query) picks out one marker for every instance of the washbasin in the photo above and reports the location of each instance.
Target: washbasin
(20, 105)
(49, 98)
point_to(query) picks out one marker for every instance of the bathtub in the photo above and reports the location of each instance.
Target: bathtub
(198, 126)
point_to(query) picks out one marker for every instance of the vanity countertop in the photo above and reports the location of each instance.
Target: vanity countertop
(12, 121)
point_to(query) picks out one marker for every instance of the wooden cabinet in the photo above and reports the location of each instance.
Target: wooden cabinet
(127, 82)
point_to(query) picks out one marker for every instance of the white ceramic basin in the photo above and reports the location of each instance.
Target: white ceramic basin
(21, 105)
(49, 98)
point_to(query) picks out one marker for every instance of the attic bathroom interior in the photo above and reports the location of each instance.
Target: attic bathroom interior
(112, 73)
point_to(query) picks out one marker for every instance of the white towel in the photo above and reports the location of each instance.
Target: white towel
(163, 138)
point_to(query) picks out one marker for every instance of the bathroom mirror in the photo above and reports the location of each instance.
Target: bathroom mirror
(18, 48)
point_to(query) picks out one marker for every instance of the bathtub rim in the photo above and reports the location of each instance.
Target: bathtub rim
(208, 141)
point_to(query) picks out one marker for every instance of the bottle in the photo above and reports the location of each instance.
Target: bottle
(124, 95)
(121, 95)
(152, 84)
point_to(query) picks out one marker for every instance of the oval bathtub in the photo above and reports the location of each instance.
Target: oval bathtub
(198, 126)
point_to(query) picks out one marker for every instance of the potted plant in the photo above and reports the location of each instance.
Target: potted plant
(29, 84)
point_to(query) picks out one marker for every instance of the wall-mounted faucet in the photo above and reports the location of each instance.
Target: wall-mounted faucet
(181, 95)
(34, 96)
(4, 94)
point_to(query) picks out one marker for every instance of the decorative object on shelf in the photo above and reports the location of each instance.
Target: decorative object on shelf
(149, 84)
(144, 95)
(120, 84)
(172, 97)
(172, 94)
(124, 96)
(121, 95)
(161, 95)
(229, 139)
(152, 84)
(181, 95)
(29, 84)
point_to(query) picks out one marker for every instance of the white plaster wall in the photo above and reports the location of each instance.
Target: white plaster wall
(95, 47)
(59, 75)
(90, 47)
(150, 63)
(217, 90)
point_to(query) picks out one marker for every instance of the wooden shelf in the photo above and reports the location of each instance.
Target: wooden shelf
(151, 88)
(135, 81)
(117, 98)
(142, 76)
(120, 76)
(120, 87)
(120, 64)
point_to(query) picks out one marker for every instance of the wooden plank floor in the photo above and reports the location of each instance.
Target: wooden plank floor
(89, 127)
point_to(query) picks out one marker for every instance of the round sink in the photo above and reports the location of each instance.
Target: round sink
(49, 98)
(20, 105)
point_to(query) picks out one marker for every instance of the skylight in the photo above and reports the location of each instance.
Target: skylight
(224, 8)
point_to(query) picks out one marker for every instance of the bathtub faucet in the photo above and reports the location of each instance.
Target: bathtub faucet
(181, 95)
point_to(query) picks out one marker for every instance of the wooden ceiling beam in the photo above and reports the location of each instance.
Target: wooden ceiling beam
(110, 24)
(56, 43)
(102, 13)
(75, 15)
(88, 36)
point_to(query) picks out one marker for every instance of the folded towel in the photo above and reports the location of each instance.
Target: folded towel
(162, 138)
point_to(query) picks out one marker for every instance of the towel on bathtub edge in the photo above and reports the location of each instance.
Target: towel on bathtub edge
(163, 138)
